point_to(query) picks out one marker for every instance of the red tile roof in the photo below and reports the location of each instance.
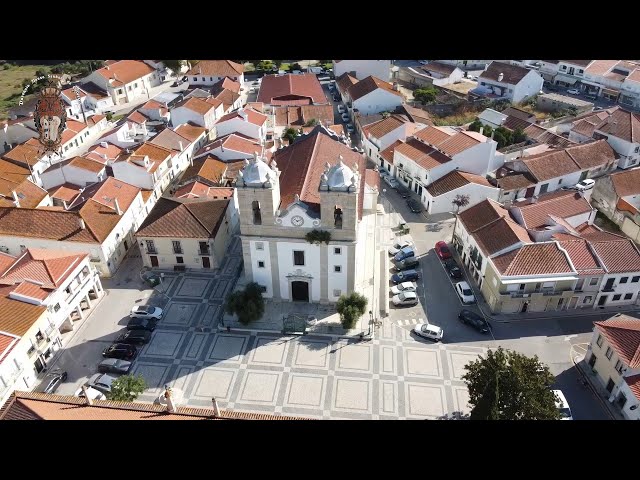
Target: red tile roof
(382, 127)
(345, 81)
(627, 182)
(289, 89)
(580, 254)
(184, 218)
(189, 131)
(617, 255)
(250, 116)
(634, 380)
(7, 343)
(623, 334)
(372, 178)
(234, 141)
(29, 195)
(300, 115)
(425, 156)
(388, 152)
(111, 151)
(197, 105)
(6, 261)
(85, 163)
(27, 154)
(482, 214)
(217, 68)
(196, 189)
(511, 74)
(67, 192)
(368, 85)
(533, 259)
(107, 191)
(208, 169)
(125, 71)
(564, 204)
(454, 180)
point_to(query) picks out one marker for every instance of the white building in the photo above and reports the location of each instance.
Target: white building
(246, 121)
(502, 80)
(281, 203)
(77, 170)
(379, 135)
(231, 147)
(125, 80)
(440, 194)
(362, 69)
(372, 95)
(203, 112)
(442, 73)
(209, 72)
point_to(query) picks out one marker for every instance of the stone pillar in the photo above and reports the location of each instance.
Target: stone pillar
(79, 312)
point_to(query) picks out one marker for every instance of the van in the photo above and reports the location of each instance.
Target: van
(563, 405)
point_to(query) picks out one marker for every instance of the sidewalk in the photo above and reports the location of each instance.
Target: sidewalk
(598, 390)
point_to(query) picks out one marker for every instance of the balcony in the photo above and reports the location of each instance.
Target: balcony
(517, 294)
(204, 251)
(151, 251)
(178, 251)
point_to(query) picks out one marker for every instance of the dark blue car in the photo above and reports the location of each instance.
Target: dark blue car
(406, 276)
(406, 252)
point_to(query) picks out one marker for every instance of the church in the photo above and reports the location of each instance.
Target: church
(314, 185)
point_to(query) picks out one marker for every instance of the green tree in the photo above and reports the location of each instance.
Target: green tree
(266, 65)
(475, 126)
(500, 138)
(518, 136)
(507, 385)
(312, 123)
(174, 65)
(41, 72)
(127, 388)
(290, 134)
(458, 202)
(425, 95)
(295, 66)
(247, 304)
(351, 307)
(277, 63)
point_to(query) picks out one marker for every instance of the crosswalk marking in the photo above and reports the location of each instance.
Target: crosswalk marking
(411, 321)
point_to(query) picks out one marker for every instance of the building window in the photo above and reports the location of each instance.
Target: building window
(39, 336)
(135, 85)
(337, 217)
(119, 91)
(618, 367)
(211, 79)
(609, 353)
(593, 281)
(179, 260)
(599, 341)
(624, 279)
(337, 268)
(587, 299)
(522, 286)
(260, 264)
(151, 247)
(337, 293)
(337, 251)
(56, 307)
(259, 246)
(543, 188)
(203, 79)
(257, 216)
(616, 297)
(635, 279)
(177, 246)
(627, 296)
(298, 257)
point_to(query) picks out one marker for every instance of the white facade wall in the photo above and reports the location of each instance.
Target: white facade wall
(629, 152)
(262, 275)
(529, 86)
(182, 115)
(442, 203)
(364, 68)
(241, 126)
(312, 267)
(133, 175)
(632, 401)
(379, 100)
(68, 173)
(228, 154)
(373, 146)
(208, 80)
(622, 289)
(337, 281)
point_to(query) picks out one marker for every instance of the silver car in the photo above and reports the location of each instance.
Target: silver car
(101, 382)
(405, 299)
(403, 287)
(427, 330)
(395, 248)
(146, 311)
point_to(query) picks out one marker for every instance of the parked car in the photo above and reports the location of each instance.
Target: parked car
(452, 269)
(407, 263)
(464, 292)
(563, 405)
(429, 331)
(584, 185)
(175, 84)
(405, 299)
(101, 382)
(414, 205)
(473, 319)
(406, 252)
(52, 381)
(442, 250)
(392, 182)
(423, 62)
(341, 109)
(573, 91)
(114, 366)
(406, 276)
(396, 247)
(146, 311)
(403, 287)
(142, 324)
(135, 337)
(336, 98)
(122, 351)
(403, 191)
(331, 85)
(350, 128)
(345, 117)
(92, 392)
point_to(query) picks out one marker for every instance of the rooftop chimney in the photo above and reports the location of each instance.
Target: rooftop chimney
(82, 224)
(115, 202)
(500, 76)
(16, 200)
(86, 395)
(104, 144)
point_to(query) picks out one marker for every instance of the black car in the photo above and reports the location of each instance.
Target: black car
(114, 365)
(453, 270)
(473, 319)
(142, 324)
(403, 191)
(122, 351)
(134, 337)
(52, 381)
(414, 206)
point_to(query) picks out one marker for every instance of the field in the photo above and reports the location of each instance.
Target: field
(11, 85)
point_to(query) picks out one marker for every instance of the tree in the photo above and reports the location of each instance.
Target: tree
(475, 126)
(127, 388)
(266, 65)
(174, 65)
(295, 66)
(277, 63)
(425, 95)
(351, 307)
(508, 385)
(247, 304)
(458, 202)
(518, 136)
(500, 138)
(312, 123)
(41, 72)
(290, 134)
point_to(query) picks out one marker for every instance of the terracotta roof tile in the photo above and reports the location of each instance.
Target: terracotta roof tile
(432, 135)
(512, 74)
(217, 68)
(225, 84)
(234, 141)
(417, 115)
(17, 317)
(125, 71)
(454, 180)
(617, 256)
(27, 154)
(6, 261)
(382, 127)
(196, 104)
(482, 214)
(344, 81)
(50, 268)
(291, 89)
(516, 181)
(626, 183)
(388, 152)
(43, 223)
(29, 195)
(67, 192)
(592, 154)
(459, 143)
(207, 169)
(198, 190)
(564, 204)
(368, 85)
(600, 67)
(226, 97)
(634, 380)
(31, 290)
(110, 150)
(424, 155)
(137, 117)
(184, 218)
(583, 259)
(10, 175)
(251, 116)
(533, 259)
(441, 68)
(7, 343)
(156, 153)
(623, 334)
(372, 178)
(189, 131)
(499, 235)
(86, 164)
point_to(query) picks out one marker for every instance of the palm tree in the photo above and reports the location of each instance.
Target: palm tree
(459, 201)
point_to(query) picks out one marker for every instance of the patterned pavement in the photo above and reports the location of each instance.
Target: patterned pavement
(394, 376)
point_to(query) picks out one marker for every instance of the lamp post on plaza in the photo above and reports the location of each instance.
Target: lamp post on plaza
(370, 322)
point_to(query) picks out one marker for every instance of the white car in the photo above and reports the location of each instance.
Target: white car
(586, 184)
(341, 109)
(396, 247)
(405, 299)
(93, 394)
(563, 405)
(146, 311)
(403, 287)
(573, 91)
(427, 330)
(423, 62)
(345, 117)
(465, 293)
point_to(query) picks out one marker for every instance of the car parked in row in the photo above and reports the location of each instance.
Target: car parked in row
(345, 117)
(341, 109)
(146, 311)
(562, 405)
(389, 180)
(115, 366)
(406, 264)
(134, 337)
(142, 324)
(406, 252)
(403, 191)
(350, 128)
(405, 276)
(101, 382)
(52, 381)
(573, 91)
(453, 269)
(92, 392)
(396, 247)
(442, 250)
(429, 331)
(474, 320)
(414, 205)
(464, 292)
(403, 287)
(123, 351)
(405, 299)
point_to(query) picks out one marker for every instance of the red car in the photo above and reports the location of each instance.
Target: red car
(442, 250)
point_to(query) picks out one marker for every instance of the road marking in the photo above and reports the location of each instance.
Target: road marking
(569, 337)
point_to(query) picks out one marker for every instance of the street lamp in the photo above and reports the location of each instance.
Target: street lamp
(370, 321)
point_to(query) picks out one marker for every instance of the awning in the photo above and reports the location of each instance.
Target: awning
(610, 91)
(566, 79)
